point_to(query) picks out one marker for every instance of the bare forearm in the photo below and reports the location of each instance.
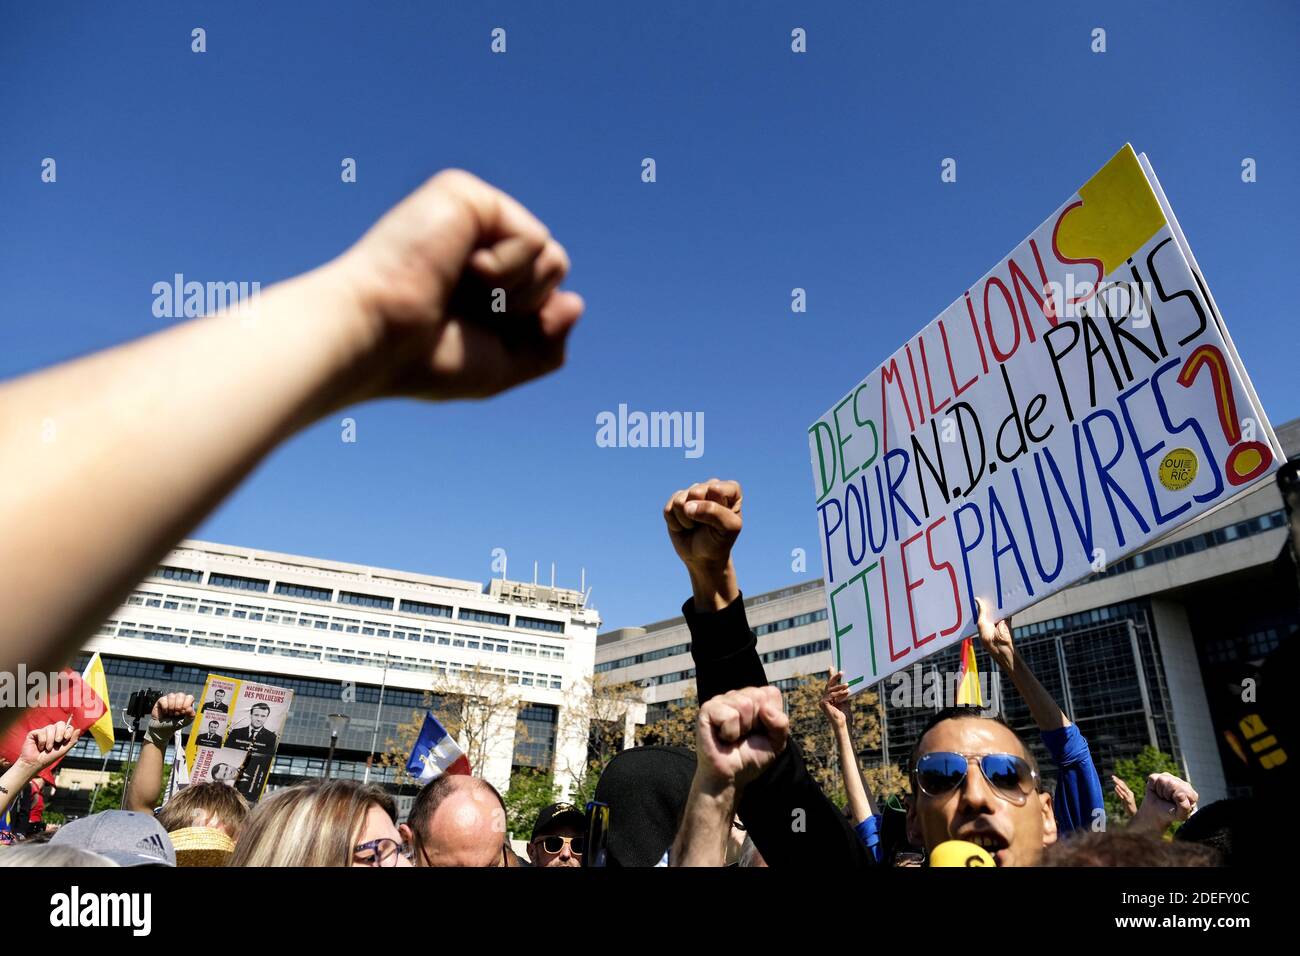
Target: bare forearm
(146, 780)
(1046, 712)
(12, 782)
(1150, 823)
(706, 826)
(859, 800)
(714, 588)
(116, 456)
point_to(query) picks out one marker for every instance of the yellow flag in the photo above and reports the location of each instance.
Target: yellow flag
(102, 729)
(968, 686)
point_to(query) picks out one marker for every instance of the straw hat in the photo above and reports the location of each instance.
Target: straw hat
(202, 846)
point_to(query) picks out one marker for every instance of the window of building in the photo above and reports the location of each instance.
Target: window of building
(304, 591)
(539, 624)
(179, 574)
(535, 735)
(423, 607)
(484, 617)
(365, 600)
(237, 582)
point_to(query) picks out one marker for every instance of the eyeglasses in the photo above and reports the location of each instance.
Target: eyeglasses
(381, 852)
(554, 844)
(940, 773)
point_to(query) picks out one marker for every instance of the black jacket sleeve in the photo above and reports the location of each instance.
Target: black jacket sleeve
(789, 817)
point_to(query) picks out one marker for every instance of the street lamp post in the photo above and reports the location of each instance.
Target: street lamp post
(337, 723)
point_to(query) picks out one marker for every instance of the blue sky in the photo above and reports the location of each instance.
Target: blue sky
(775, 171)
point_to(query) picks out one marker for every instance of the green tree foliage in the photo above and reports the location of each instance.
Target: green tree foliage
(1134, 772)
(529, 791)
(109, 794)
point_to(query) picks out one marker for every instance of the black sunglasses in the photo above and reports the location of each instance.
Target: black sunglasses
(1011, 777)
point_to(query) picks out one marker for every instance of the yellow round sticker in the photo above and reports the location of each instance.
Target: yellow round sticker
(1178, 469)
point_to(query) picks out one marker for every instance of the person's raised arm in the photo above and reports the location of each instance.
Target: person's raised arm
(112, 458)
(704, 521)
(737, 736)
(1078, 803)
(41, 747)
(171, 713)
(996, 638)
(835, 706)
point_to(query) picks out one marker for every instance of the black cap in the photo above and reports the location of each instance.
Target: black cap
(558, 814)
(646, 789)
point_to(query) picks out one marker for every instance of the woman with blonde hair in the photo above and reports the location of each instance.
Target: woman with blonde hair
(323, 823)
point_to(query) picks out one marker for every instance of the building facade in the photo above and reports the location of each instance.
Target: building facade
(1141, 653)
(370, 643)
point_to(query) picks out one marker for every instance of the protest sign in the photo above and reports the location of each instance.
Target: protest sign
(1079, 401)
(236, 733)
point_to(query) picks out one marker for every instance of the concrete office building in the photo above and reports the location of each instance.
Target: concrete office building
(340, 636)
(1141, 653)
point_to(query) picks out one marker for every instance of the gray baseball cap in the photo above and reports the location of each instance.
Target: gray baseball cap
(125, 837)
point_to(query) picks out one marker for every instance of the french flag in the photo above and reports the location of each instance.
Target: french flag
(435, 753)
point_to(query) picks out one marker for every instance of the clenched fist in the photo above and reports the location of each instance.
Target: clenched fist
(996, 638)
(703, 523)
(45, 745)
(1168, 799)
(460, 283)
(171, 712)
(739, 734)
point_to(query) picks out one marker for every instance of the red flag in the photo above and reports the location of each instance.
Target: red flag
(71, 700)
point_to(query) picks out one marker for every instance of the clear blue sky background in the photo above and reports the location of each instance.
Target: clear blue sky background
(775, 170)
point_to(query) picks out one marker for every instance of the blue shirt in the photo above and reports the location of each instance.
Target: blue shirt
(1078, 802)
(868, 832)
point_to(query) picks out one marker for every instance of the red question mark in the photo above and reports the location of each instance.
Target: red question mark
(1247, 459)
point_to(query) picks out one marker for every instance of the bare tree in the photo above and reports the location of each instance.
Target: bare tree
(476, 706)
(808, 727)
(594, 718)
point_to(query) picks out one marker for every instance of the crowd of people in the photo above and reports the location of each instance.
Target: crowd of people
(972, 779)
(413, 310)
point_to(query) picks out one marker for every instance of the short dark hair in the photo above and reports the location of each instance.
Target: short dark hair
(435, 794)
(963, 712)
(262, 704)
(214, 723)
(1233, 828)
(219, 690)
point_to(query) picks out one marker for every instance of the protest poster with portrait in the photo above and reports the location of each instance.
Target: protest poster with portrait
(237, 732)
(1078, 402)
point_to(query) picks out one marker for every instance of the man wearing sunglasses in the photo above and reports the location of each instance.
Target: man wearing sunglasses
(974, 780)
(559, 836)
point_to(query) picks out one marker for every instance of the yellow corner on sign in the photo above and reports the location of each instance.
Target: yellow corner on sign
(1118, 214)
